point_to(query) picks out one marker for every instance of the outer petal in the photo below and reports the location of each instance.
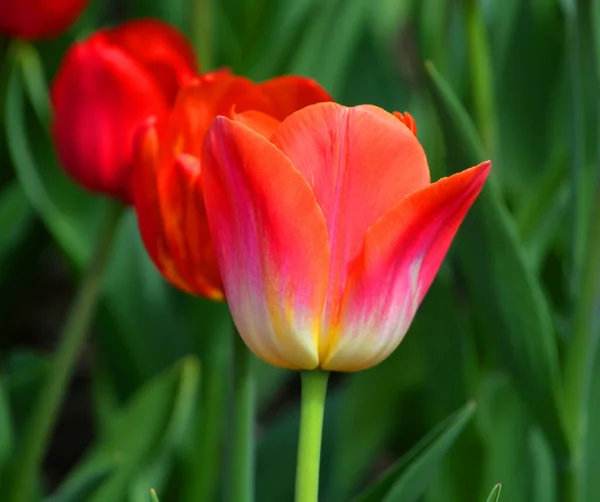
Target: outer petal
(198, 103)
(172, 218)
(161, 49)
(359, 162)
(271, 244)
(33, 19)
(291, 93)
(260, 122)
(100, 96)
(402, 253)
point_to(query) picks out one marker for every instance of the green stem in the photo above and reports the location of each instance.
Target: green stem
(39, 429)
(314, 390)
(242, 476)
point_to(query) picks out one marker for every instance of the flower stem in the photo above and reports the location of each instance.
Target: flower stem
(314, 390)
(47, 407)
(243, 424)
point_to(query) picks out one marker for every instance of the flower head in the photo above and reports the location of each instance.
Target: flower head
(105, 88)
(328, 232)
(168, 173)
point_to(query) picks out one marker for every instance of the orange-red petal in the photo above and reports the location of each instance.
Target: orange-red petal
(359, 162)
(408, 120)
(402, 252)
(271, 244)
(291, 93)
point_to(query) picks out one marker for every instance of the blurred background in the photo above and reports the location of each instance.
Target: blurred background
(513, 80)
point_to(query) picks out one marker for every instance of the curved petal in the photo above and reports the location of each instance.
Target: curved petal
(271, 244)
(408, 120)
(100, 96)
(291, 93)
(161, 49)
(402, 252)
(359, 162)
(199, 102)
(147, 204)
(260, 122)
(172, 217)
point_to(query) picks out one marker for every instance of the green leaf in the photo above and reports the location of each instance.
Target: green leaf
(505, 425)
(507, 297)
(407, 479)
(151, 425)
(6, 429)
(71, 215)
(495, 493)
(369, 420)
(15, 219)
(153, 496)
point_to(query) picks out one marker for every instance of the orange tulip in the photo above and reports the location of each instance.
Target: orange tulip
(328, 232)
(168, 175)
(106, 87)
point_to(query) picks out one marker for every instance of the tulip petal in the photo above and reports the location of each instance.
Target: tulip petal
(199, 102)
(402, 252)
(359, 162)
(147, 203)
(172, 217)
(291, 93)
(271, 244)
(100, 97)
(160, 48)
(260, 122)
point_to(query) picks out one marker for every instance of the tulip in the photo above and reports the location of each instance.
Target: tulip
(35, 19)
(168, 175)
(106, 87)
(328, 233)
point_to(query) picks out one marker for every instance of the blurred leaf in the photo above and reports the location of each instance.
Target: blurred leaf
(7, 438)
(407, 479)
(142, 307)
(149, 426)
(326, 49)
(507, 297)
(369, 420)
(83, 487)
(495, 493)
(23, 373)
(15, 219)
(504, 424)
(538, 214)
(71, 216)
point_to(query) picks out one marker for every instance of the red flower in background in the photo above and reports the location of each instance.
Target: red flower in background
(34, 19)
(167, 182)
(105, 88)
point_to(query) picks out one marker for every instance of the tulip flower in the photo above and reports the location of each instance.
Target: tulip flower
(35, 19)
(168, 175)
(328, 232)
(106, 87)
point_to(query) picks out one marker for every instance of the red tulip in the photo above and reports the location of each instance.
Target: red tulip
(34, 19)
(328, 232)
(168, 174)
(106, 87)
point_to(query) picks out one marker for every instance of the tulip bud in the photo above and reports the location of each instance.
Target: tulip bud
(105, 88)
(34, 19)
